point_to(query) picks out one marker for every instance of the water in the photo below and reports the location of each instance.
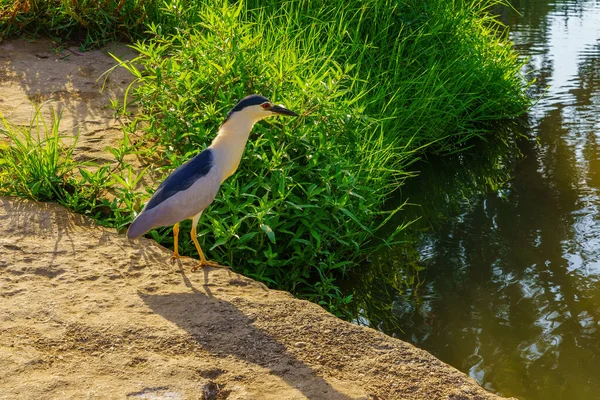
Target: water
(510, 293)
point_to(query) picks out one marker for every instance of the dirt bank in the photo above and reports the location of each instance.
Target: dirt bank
(87, 314)
(68, 81)
(84, 313)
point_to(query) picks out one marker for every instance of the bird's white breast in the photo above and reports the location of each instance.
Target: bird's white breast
(228, 146)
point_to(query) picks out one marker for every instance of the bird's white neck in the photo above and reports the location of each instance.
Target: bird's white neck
(230, 143)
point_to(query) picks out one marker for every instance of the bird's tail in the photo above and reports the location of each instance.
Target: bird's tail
(142, 224)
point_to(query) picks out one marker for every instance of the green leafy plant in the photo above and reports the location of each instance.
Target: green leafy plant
(307, 202)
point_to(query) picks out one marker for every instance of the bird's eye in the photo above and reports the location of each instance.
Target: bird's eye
(266, 105)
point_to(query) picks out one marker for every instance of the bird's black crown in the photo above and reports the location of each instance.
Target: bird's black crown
(252, 100)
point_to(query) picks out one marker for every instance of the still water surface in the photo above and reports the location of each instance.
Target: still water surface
(511, 289)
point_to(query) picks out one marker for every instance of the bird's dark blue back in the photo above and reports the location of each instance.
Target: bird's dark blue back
(183, 177)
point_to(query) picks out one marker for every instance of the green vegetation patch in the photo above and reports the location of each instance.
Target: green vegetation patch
(90, 22)
(37, 162)
(378, 84)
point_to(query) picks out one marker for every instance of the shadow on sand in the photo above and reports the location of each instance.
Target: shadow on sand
(224, 330)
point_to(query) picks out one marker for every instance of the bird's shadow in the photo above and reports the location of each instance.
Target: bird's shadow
(223, 330)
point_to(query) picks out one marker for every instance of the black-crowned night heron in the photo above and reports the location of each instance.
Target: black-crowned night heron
(193, 186)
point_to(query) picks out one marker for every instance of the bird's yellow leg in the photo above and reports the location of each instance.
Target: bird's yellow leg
(203, 261)
(175, 255)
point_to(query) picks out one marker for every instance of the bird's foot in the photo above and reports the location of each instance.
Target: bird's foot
(174, 257)
(207, 263)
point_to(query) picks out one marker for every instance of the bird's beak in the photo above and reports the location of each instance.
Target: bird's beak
(283, 111)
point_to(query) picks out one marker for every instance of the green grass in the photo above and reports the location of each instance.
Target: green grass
(378, 85)
(89, 22)
(36, 162)
(434, 72)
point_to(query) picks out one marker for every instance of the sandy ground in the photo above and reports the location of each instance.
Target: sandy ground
(86, 314)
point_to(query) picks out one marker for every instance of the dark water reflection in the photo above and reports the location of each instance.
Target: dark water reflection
(510, 292)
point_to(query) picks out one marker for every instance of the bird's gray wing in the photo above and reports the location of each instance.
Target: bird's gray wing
(182, 178)
(186, 192)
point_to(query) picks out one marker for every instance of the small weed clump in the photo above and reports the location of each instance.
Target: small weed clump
(35, 162)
